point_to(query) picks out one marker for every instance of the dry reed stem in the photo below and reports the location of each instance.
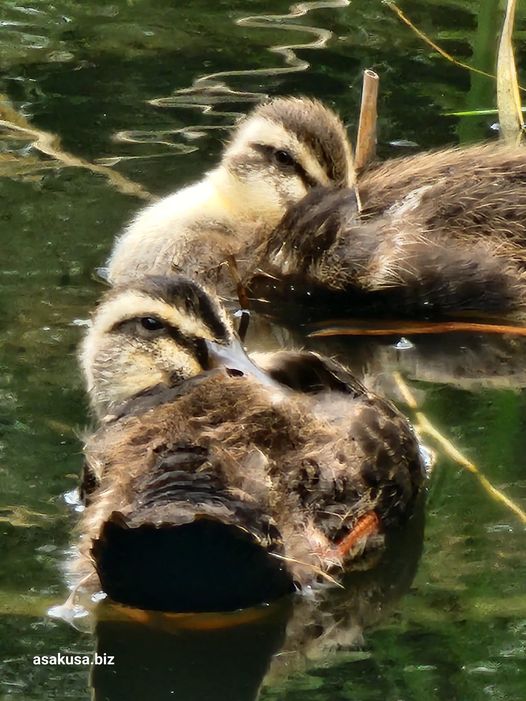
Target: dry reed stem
(366, 139)
(424, 427)
(508, 96)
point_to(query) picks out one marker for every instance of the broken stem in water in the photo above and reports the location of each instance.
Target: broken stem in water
(411, 328)
(424, 427)
(366, 139)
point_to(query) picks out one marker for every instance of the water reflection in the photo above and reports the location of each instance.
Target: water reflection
(209, 664)
(212, 90)
(228, 657)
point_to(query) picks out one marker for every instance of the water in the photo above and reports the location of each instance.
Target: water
(120, 95)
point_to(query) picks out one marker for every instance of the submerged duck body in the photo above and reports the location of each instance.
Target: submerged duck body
(276, 155)
(226, 484)
(438, 234)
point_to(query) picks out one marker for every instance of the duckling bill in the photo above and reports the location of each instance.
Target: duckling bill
(440, 234)
(212, 484)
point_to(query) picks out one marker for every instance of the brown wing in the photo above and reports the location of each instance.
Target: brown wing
(391, 468)
(371, 459)
(308, 372)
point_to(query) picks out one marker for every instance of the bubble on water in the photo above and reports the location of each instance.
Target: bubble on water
(428, 457)
(83, 323)
(67, 612)
(404, 344)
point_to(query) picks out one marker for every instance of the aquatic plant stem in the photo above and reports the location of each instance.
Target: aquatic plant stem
(423, 427)
(394, 7)
(508, 97)
(407, 328)
(367, 525)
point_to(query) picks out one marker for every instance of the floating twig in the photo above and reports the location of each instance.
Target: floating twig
(394, 7)
(411, 328)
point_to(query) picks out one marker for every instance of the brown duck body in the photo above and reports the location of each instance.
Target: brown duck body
(227, 489)
(439, 233)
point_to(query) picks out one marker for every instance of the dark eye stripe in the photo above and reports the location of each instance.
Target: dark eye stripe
(268, 152)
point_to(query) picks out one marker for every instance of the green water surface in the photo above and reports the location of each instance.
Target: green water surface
(120, 89)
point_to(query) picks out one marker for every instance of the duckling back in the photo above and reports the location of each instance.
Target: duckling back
(224, 493)
(172, 524)
(477, 184)
(439, 234)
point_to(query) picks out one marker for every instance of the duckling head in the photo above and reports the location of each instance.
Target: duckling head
(278, 153)
(158, 331)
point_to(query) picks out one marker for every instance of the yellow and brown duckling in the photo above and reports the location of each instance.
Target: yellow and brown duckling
(439, 234)
(213, 483)
(276, 155)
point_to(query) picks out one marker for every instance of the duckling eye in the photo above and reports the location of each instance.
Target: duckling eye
(150, 323)
(283, 158)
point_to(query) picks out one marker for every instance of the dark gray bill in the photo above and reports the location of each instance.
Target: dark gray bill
(234, 357)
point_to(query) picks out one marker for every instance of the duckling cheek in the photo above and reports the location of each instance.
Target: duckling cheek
(175, 362)
(189, 367)
(135, 375)
(292, 190)
(266, 196)
(273, 192)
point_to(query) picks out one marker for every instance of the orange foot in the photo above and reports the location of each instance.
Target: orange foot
(367, 525)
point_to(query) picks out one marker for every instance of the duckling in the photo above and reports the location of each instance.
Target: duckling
(213, 483)
(276, 155)
(439, 234)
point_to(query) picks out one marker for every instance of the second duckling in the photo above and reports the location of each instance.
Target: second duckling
(214, 484)
(439, 234)
(276, 155)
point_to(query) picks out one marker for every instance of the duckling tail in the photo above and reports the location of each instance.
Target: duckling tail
(201, 565)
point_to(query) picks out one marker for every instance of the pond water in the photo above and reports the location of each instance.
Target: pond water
(104, 102)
